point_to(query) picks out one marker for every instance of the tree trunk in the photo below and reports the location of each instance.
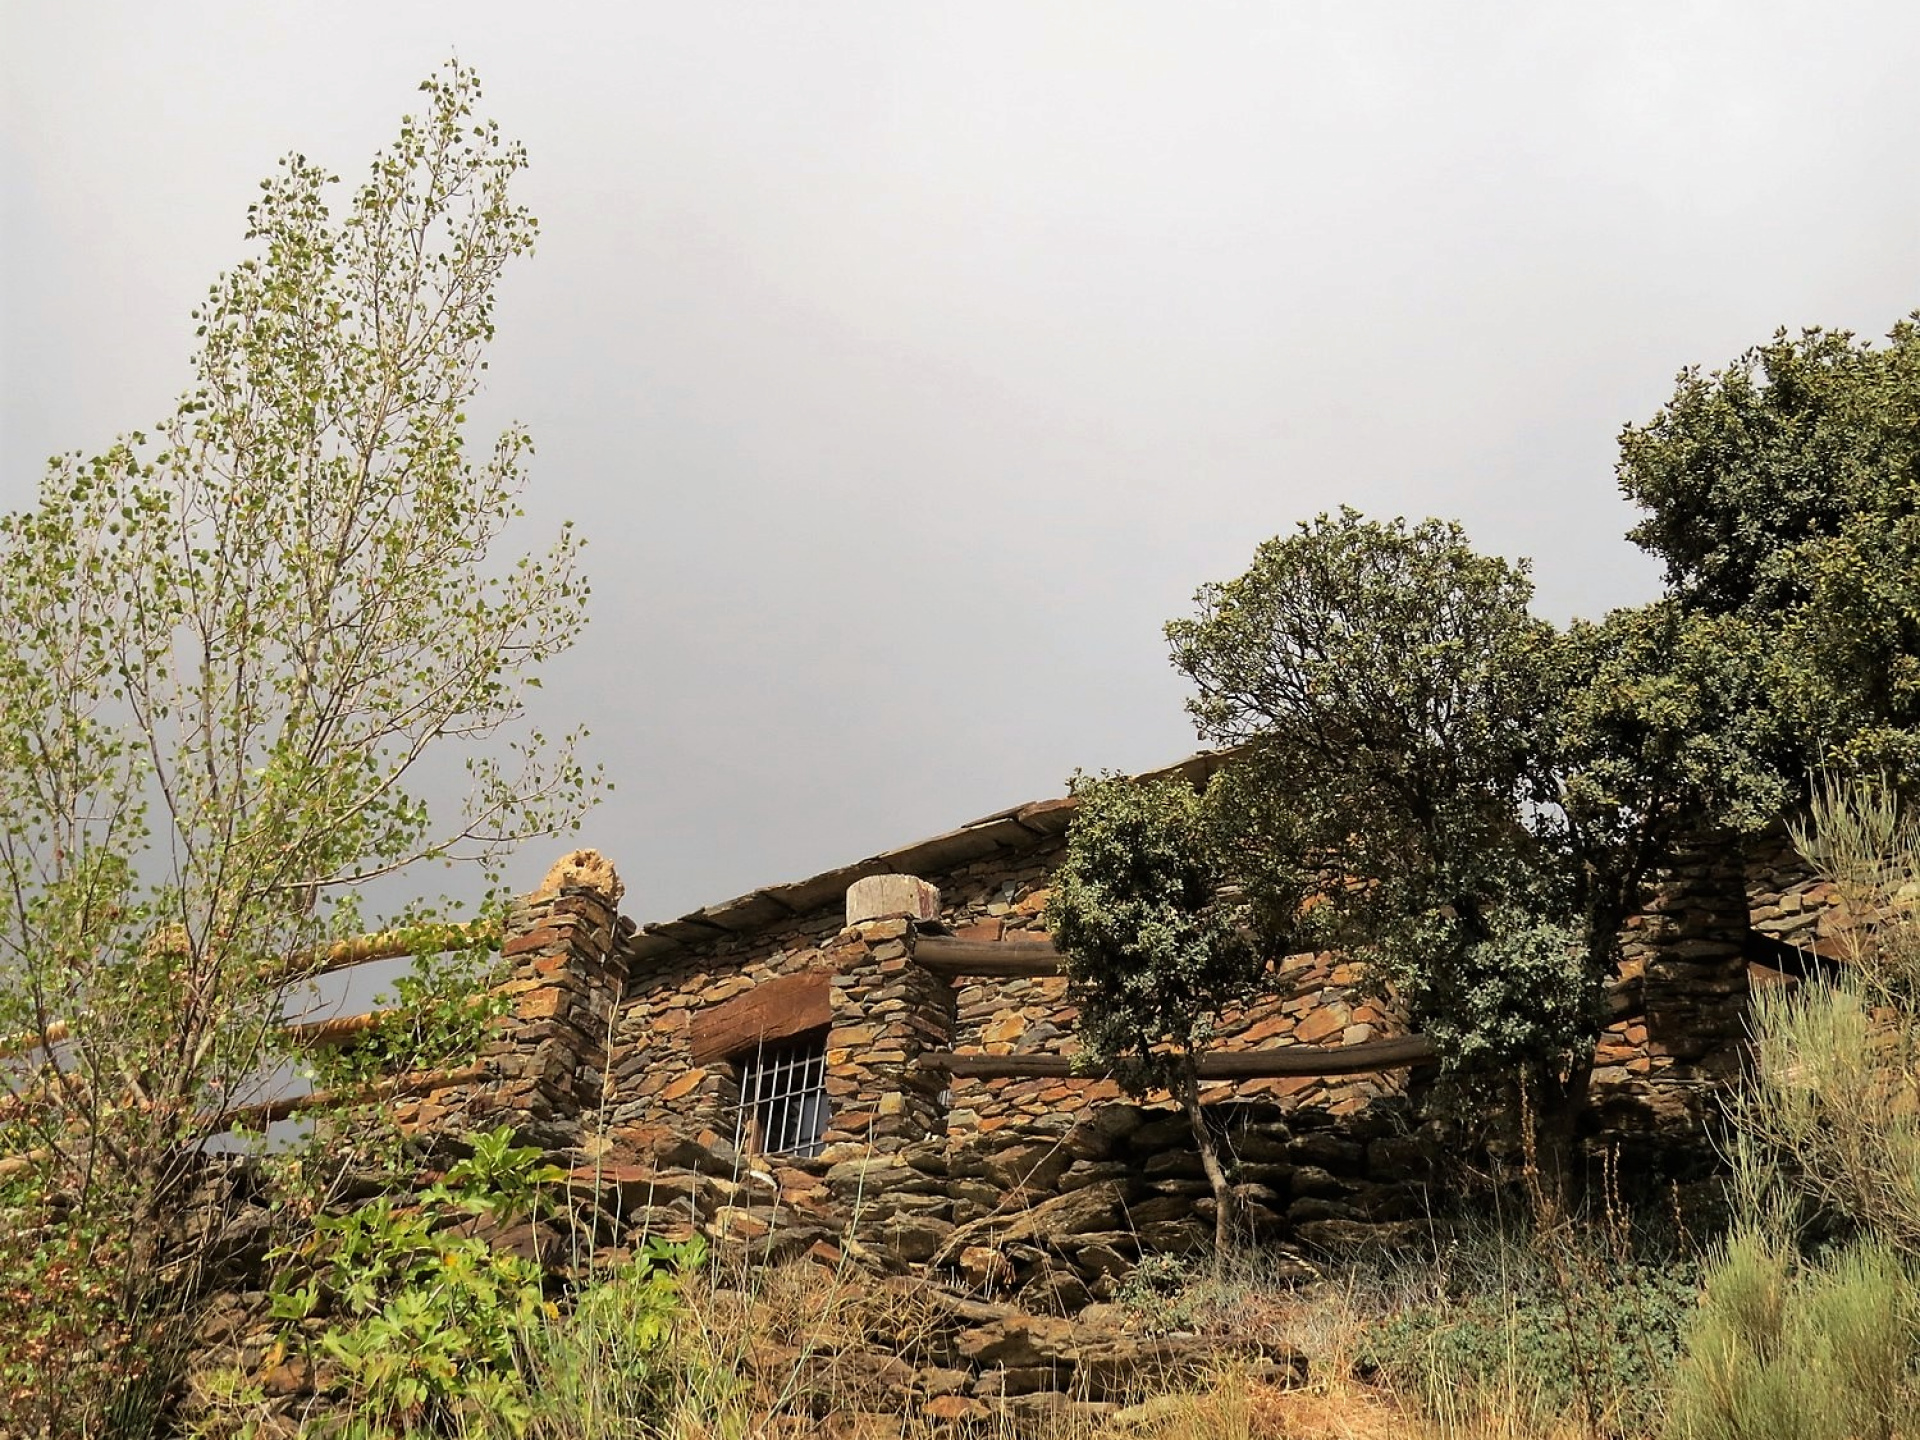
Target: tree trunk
(1223, 1206)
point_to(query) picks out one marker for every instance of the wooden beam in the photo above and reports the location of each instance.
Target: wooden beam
(1283, 1062)
(1007, 958)
(1286, 1061)
(399, 1087)
(384, 945)
(772, 1010)
(341, 1028)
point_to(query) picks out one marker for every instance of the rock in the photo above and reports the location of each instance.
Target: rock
(240, 1246)
(954, 1409)
(985, 1268)
(290, 1376)
(873, 1177)
(1035, 1166)
(1091, 1172)
(652, 1222)
(975, 1192)
(584, 870)
(1114, 1366)
(1312, 1180)
(963, 1308)
(1312, 1209)
(1186, 1189)
(1259, 1148)
(1094, 1261)
(849, 1379)
(1175, 1237)
(1105, 1317)
(1022, 1380)
(1096, 1207)
(929, 1157)
(1184, 1164)
(887, 1205)
(1018, 1340)
(909, 1238)
(1113, 1122)
(1165, 1131)
(1342, 1237)
(223, 1321)
(1161, 1207)
(1057, 1291)
(715, 1156)
(880, 897)
(1264, 1172)
(534, 1240)
(633, 1187)
(936, 1382)
(1329, 1151)
(743, 1222)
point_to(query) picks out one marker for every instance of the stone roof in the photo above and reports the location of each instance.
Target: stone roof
(1010, 832)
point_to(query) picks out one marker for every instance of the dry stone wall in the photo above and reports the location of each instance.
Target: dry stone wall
(656, 1083)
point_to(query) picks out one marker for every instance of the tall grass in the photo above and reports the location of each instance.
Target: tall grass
(1810, 1325)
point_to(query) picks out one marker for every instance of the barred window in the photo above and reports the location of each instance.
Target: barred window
(783, 1097)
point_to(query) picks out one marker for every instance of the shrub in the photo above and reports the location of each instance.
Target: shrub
(1594, 1339)
(423, 1315)
(1786, 1349)
(1791, 1345)
(612, 1366)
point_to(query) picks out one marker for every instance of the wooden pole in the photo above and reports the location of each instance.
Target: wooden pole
(1624, 1001)
(1009, 958)
(399, 1087)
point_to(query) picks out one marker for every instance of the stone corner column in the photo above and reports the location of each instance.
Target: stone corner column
(887, 1012)
(1691, 946)
(547, 1055)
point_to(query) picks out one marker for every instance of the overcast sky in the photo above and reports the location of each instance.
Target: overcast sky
(909, 364)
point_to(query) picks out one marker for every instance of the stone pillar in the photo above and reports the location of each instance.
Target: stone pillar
(1690, 946)
(548, 1054)
(886, 1012)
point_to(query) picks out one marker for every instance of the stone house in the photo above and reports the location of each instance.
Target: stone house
(881, 1050)
(870, 1068)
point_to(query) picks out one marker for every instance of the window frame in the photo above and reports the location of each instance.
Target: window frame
(781, 1086)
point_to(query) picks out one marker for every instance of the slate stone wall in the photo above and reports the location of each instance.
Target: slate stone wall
(598, 1058)
(1689, 949)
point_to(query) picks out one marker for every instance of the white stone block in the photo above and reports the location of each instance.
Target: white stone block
(881, 897)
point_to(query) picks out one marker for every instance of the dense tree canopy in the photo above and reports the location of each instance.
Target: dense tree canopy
(1433, 778)
(1391, 692)
(1783, 495)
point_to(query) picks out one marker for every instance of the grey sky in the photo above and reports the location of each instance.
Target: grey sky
(909, 364)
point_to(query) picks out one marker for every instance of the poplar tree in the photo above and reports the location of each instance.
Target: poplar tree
(234, 650)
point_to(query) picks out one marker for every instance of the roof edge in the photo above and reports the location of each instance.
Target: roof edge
(1011, 831)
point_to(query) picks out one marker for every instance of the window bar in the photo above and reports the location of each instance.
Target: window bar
(783, 1103)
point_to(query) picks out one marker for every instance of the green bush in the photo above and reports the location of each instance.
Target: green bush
(1792, 1349)
(1794, 1342)
(1597, 1339)
(610, 1369)
(422, 1316)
